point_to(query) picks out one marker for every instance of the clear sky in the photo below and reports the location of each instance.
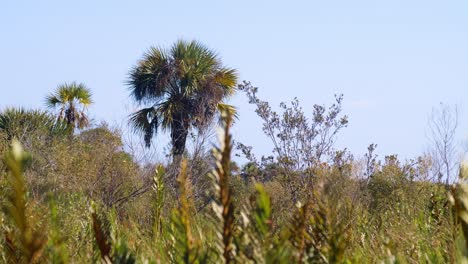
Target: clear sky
(393, 60)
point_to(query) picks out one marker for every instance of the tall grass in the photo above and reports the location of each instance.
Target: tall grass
(325, 226)
(24, 239)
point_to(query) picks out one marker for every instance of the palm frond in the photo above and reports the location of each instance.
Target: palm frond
(227, 79)
(51, 101)
(151, 78)
(83, 120)
(68, 92)
(21, 123)
(64, 92)
(174, 106)
(145, 121)
(83, 95)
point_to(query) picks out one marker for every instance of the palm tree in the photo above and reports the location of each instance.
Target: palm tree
(184, 86)
(72, 101)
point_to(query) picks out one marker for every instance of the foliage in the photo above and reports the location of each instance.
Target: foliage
(185, 86)
(24, 242)
(299, 145)
(389, 217)
(223, 206)
(82, 198)
(71, 100)
(28, 126)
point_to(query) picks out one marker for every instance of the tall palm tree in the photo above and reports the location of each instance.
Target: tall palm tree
(184, 87)
(71, 100)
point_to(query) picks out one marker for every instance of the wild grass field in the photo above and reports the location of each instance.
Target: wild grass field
(73, 191)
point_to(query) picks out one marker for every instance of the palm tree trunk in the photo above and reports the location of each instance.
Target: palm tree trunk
(70, 118)
(179, 134)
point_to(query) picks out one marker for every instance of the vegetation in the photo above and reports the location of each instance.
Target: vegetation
(71, 100)
(185, 86)
(83, 198)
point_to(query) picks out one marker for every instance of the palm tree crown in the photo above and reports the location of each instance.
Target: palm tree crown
(71, 100)
(184, 86)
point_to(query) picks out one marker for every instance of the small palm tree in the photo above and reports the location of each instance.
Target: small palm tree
(71, 100)
(25, 124)
(184, 86)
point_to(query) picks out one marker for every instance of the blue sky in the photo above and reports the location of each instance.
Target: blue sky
(392, 60)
